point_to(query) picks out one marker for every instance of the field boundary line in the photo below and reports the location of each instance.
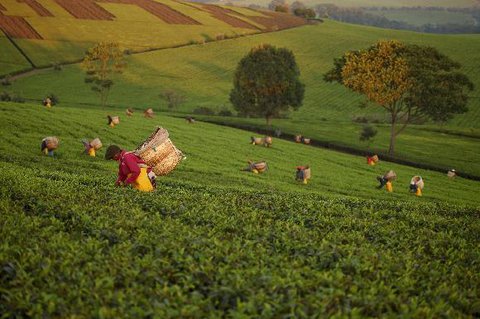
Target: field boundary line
(19, 49)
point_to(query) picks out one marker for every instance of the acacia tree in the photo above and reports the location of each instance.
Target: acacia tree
(100, 63)
(410, 82)
(266, 83)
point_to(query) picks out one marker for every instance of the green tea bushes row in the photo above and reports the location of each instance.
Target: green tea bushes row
(72, 250)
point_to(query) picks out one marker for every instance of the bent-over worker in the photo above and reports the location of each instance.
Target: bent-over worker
(132, 170)
(386, 180)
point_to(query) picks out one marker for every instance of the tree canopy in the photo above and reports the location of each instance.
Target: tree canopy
(266, 83)
(411, 82)
(100, 63)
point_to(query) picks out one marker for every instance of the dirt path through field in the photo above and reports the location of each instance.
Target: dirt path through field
(29, 73)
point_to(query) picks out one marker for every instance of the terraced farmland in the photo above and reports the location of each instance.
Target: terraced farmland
(60, 31)
(213, 241)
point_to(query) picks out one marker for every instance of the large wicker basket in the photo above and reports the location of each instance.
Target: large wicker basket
(390, 175)
(51, 142)
(259, 166)
(96, 143)
(268, 141)
(307, 173)
(159, 152)
(148, 113)
(418, 180)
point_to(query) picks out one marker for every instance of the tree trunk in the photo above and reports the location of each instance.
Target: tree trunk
(391, 148)
(269, 120)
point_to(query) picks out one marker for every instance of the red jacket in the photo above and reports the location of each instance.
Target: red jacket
(129, 164)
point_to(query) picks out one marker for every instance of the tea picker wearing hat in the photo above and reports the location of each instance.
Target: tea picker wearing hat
(132, 170)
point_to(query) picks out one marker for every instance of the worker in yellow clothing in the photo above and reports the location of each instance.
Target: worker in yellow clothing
(416, 185)
(386, 180)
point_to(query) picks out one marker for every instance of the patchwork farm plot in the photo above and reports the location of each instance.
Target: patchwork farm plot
(87, 22)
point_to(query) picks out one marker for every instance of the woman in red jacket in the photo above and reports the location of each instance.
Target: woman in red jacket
(132, 170)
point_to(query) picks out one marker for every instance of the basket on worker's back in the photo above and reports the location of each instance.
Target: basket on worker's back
(159, 152)
(51, 142)
(96, 144)
(259, 166)
(390, 175)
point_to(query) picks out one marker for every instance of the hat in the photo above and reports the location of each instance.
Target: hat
(112, 150)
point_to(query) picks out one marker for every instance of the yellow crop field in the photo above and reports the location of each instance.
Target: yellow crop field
(54, 8)
(59, 31)
(15, 8)
(130, 13)
(195, 13)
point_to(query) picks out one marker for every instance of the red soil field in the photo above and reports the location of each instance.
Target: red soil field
(85, 9)
(278, 21)
(17, 27)
(160, 10)
(224, 15)
(37, 7)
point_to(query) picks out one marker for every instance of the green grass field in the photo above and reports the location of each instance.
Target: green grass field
(10, 58)
(204, 74)
(375, 3)
(419, 17)
(213, 241)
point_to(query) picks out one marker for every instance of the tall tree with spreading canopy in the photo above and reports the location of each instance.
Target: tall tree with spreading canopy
(100, 63)
(410, 82)
(266, 83)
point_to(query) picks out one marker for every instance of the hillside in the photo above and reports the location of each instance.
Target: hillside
(54, 31)
(372, 3)
(215, 242)
(214, 154)
(204, 73)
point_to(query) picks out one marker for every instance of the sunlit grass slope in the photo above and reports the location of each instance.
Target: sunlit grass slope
(377, 3)
(215, 242)
(10, 58)
(215, 156)
(62, 37)
(203, 73)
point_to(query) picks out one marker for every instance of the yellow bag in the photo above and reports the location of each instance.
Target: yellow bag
(418, 192)
(142, 183)
(91, 152)
(389, 187)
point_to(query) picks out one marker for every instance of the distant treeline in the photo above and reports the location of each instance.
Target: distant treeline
(361, 16)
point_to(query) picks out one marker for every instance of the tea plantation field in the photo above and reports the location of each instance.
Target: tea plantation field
(213, 241)
(204, 73)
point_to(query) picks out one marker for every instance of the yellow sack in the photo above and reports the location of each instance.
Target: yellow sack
(419, 192)
(142, 183)
(91, 152)
(389, 187)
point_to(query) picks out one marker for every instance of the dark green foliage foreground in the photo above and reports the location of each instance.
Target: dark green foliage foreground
(213, 241)
(73, 246)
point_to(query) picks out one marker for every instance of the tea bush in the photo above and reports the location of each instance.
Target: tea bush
(214, 242)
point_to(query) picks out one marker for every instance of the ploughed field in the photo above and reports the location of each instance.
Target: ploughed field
(56, 31)
(213, 241)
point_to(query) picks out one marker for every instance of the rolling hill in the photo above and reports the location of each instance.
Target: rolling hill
(55, 31)
(204, 73)
(371, 3)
